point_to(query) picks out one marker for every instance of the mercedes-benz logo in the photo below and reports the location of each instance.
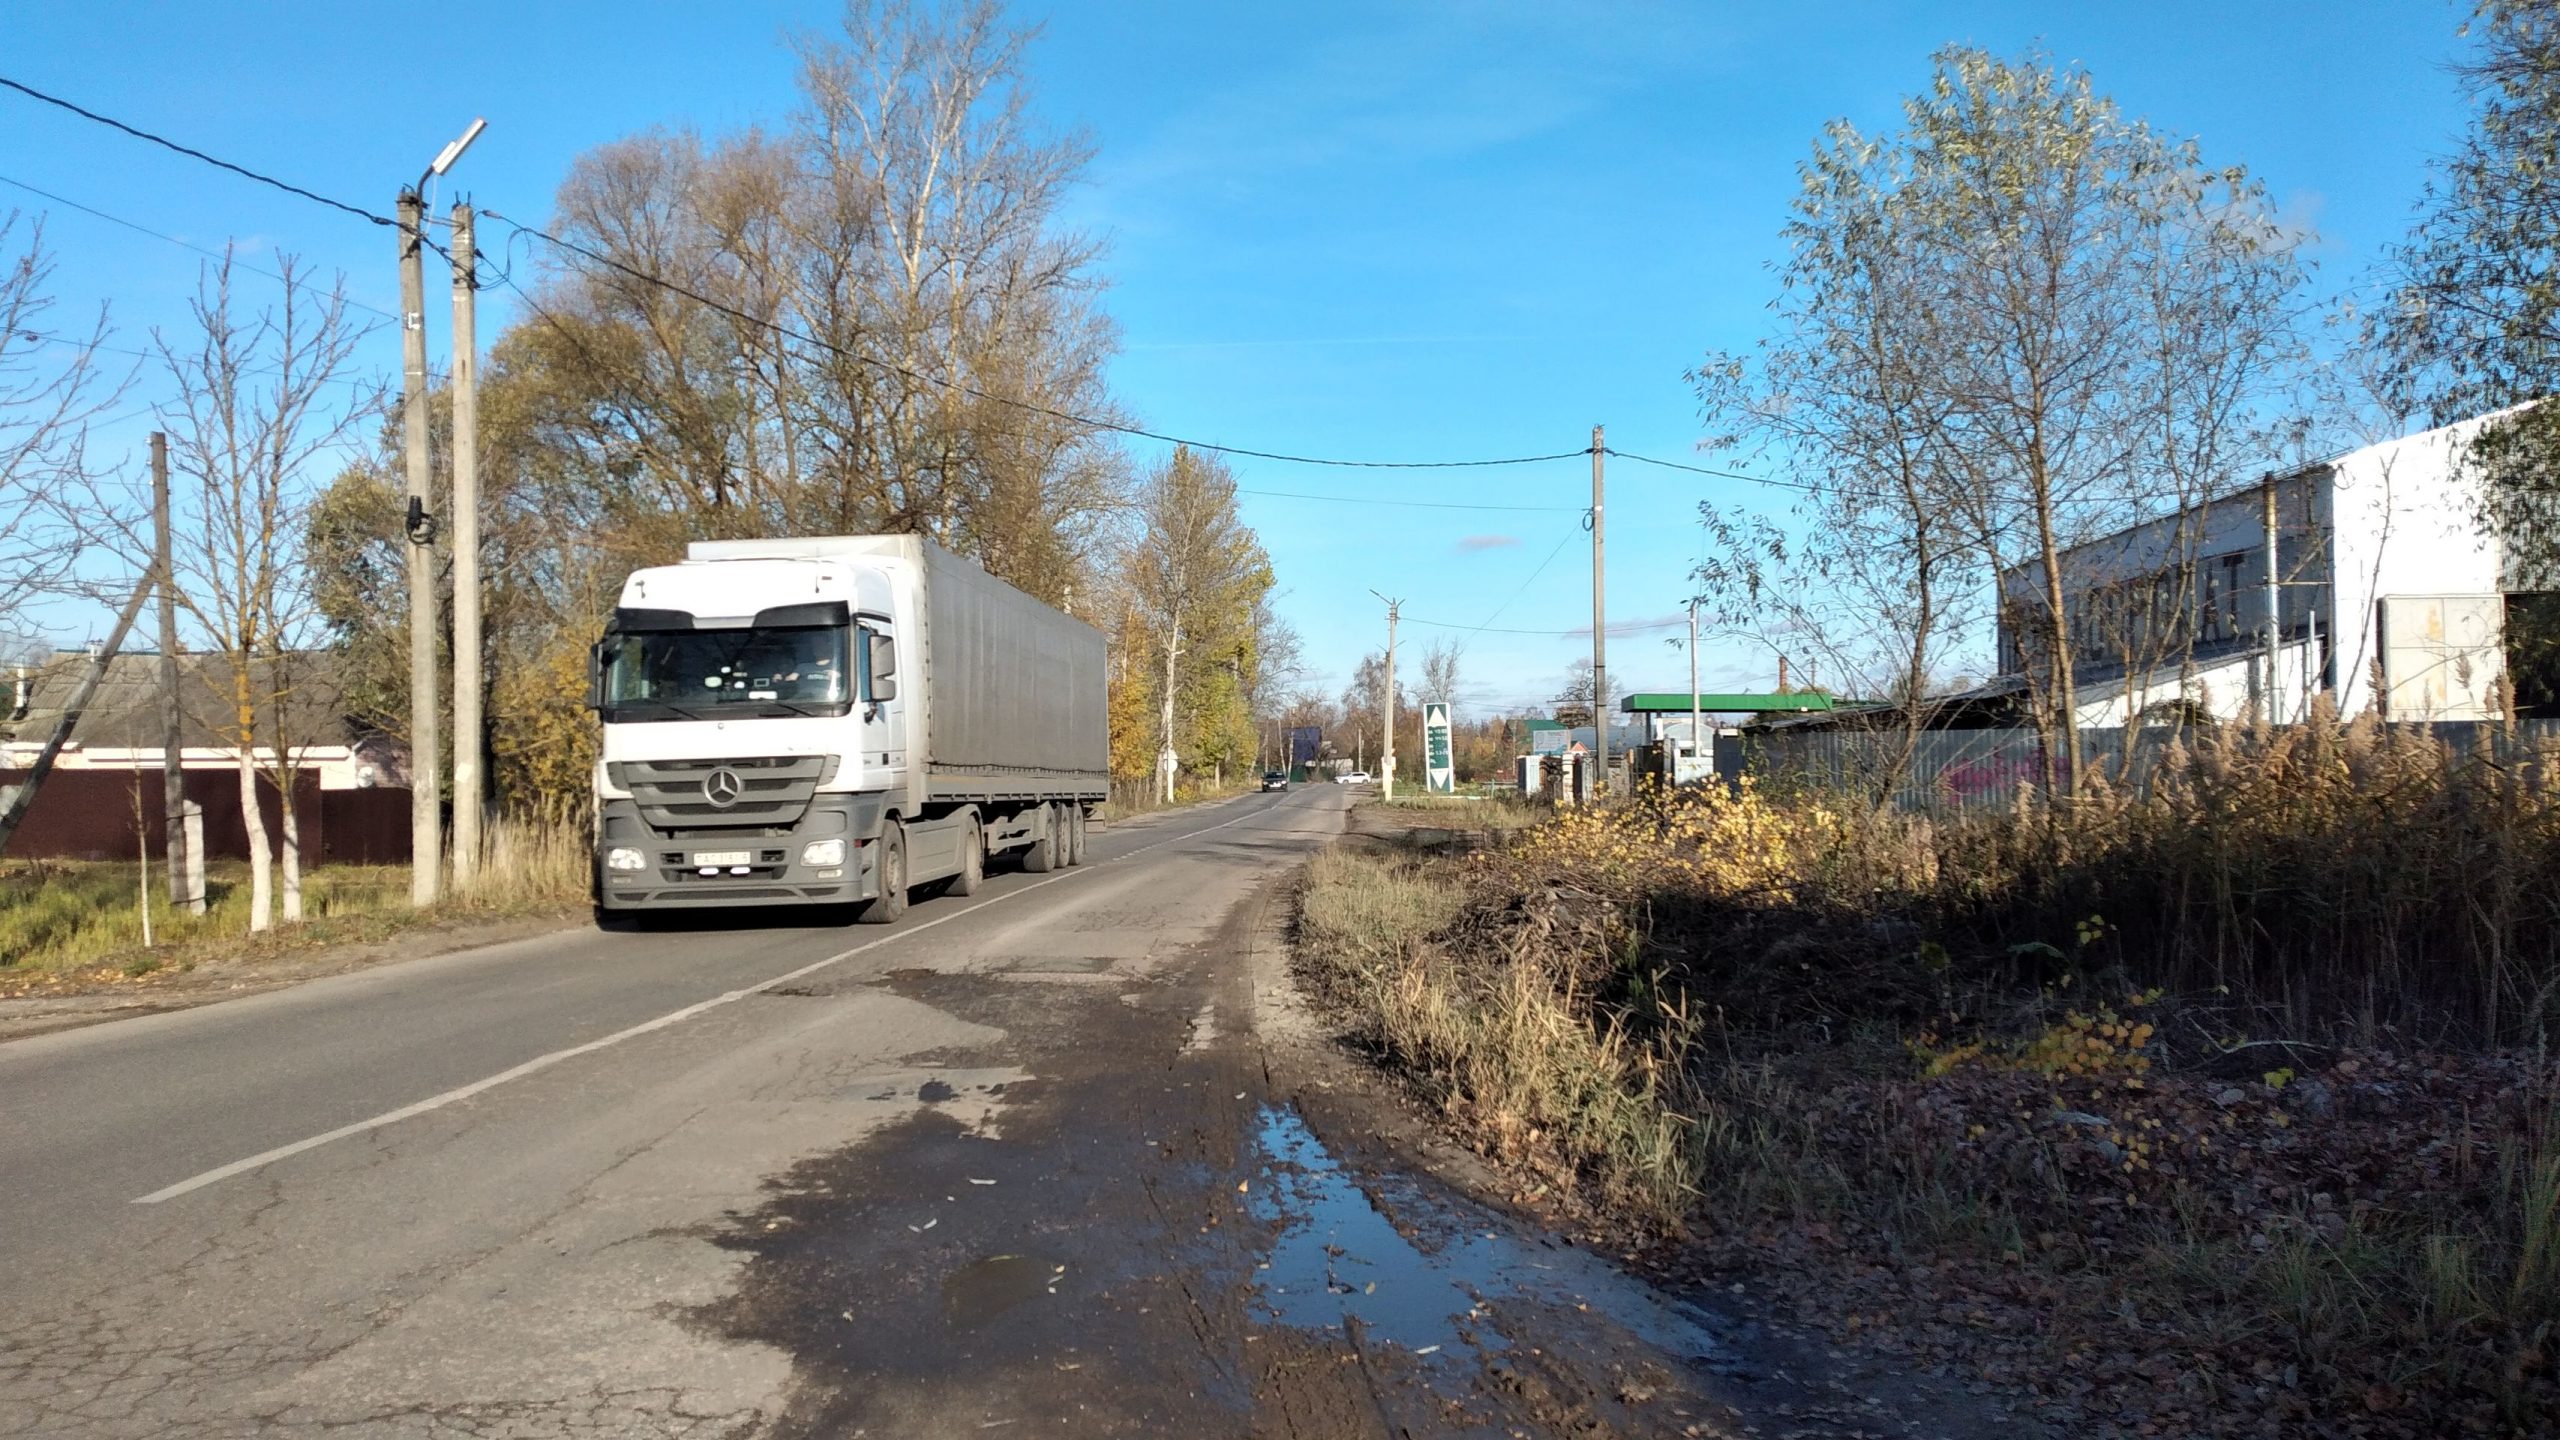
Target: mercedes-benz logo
(723, 787)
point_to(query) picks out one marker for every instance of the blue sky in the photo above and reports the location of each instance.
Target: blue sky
(1372, 230)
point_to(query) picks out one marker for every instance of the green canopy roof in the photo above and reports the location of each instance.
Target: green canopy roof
(1727, 704)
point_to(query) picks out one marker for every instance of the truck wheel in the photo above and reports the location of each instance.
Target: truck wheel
(892, 900)
(1042, 857)
(1075, 834)
(973, 862)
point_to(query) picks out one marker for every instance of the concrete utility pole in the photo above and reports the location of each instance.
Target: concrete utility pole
(173, 740)
(426, 763)
(2274, 620)
(426, 751)
(466, 559)
(1697, 738)
(1387, 705)
(1599, 619)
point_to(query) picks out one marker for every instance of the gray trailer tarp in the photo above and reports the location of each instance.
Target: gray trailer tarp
(1012, 686)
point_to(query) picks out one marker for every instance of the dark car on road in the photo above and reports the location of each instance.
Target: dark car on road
(1275, 779)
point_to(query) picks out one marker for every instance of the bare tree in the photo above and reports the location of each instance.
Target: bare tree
(52, 386)
(264, 400)
(1440, 669)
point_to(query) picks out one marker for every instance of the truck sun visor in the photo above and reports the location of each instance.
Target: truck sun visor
(821, 612)
(630, 621)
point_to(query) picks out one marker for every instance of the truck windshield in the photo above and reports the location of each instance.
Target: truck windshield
(689, 674)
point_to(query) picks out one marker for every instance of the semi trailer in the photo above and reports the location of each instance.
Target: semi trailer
(837, 720)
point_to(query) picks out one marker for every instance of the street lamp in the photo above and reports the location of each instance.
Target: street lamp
(445, 157)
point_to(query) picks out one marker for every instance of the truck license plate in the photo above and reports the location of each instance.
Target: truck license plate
(724, 857)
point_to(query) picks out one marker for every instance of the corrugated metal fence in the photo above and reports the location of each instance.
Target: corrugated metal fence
(92, 814)
(1958, 771)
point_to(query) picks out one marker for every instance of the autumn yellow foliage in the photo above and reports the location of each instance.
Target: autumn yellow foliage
(1706, 842)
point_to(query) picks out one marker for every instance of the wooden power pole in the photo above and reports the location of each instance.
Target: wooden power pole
(426, 764)
(183, 895)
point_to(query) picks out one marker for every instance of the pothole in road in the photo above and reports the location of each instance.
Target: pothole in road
(980, 1291)
(1339, 1259)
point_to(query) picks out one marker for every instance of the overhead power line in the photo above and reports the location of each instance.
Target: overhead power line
(179, 357)
(973, 392)
(2238, 488)
(1088, 422)
(1517, 592)
(192, 153)
(1711, 470)
(1630, 627)
(207, 251)
(1417, 504)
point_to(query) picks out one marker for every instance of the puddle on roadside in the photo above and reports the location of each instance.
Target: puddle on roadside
(982, 1290)
(1338, 1258)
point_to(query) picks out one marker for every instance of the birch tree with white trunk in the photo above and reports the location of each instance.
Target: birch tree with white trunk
(265, 406)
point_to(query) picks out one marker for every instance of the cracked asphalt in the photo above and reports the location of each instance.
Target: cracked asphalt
(1026, 1162)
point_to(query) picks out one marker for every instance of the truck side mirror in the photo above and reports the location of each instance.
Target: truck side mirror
(595, 675)
(884, 665)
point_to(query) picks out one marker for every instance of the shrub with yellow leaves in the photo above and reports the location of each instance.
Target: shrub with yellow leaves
(1706, 842)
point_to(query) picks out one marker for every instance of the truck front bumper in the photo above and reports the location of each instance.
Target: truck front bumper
(762, 866)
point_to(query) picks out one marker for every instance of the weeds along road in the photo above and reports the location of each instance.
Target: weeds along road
(525, 1190)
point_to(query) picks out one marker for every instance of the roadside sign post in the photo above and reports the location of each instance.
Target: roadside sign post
(1441, 771)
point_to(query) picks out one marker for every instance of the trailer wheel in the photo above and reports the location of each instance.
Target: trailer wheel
(973, 862)
(1043, 855)
(892, 899)
(1075, 834)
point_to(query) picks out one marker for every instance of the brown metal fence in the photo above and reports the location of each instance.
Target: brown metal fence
(1959, 771)
(92, 815)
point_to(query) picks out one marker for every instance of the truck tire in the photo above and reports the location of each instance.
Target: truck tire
(973, 862)
(1042, 857)
(1075, 834)
(891, 902)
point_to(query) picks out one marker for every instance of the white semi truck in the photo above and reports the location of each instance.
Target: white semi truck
(837, 720)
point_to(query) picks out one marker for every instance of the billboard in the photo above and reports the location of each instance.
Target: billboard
(1304, 742)
(1440, 766)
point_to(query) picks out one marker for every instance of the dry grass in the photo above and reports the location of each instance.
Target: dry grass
(2235, 1096)
(1510, 1047)
(59, 919)
(1490, 810)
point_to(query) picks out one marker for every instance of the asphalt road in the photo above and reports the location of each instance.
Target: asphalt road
(473, 1191)
(1020, 1163)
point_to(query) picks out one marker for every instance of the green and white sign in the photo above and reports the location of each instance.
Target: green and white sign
(1441, 765)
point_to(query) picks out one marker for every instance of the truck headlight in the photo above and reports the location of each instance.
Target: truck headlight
(822, 852)
(623, 857)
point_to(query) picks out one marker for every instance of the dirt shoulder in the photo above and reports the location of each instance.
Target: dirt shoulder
(35, 1003)
(1732, 1358)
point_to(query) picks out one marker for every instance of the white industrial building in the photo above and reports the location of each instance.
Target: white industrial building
(2393, 598)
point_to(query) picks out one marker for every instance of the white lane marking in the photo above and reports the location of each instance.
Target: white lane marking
(673, 1017)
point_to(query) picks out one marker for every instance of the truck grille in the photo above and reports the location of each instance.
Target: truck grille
(701, 794)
